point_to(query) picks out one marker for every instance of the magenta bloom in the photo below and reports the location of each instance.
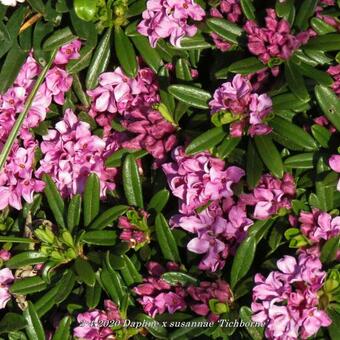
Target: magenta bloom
(270, 196)
(246, 109)
(58, 82)
(68, 52)
(334, 163)
(6, 278)
(287, 300)
(334, 71)
(275, 41)
(231, 10)
(71, 153)
(199, 178)
(318, 225)
(94, 324)
(170, 19)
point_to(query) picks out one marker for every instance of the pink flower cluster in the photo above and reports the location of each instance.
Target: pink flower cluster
(170, 18)
(270, 196)
(334, 71)
(202, 181)
(318, 225)
(275, 41)
(134, 227)
(334, 163)
(199, 178)
(219, 229)
(245, 107)
(71, 152)
(157, 296)
(95, 324)
(17, 179)
(131, 102)
(287, 300)
(231, 10)
(6, 279)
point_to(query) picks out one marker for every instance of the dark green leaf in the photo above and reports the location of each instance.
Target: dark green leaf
(25, 259)
(91, 199)
(34, 328)
(100, 237)
(324, 43)
(155, 328)
(329, 250)
(255, 332)
(58, 38)
(159, 200)
(300, 161)
(254, 165)
(305, 12)
(93, 295)
(63, 332)
(28, 285)
(225, 29)
(85, 271)
(175, 278)
(108, 217)
(12, 322)
(248, 9)
(73, 212)
(85, 9)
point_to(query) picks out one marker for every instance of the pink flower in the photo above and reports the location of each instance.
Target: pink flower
(334, 163)
(323, 121)
(270, 195)
(199, 178)
(274, 41)
(92, 323)
(317, 225)
(58, 82)
(68, 52)
(287, 300)
(334, 71)
(246, 108)
(5, 255)
(6, 278)
(231, 10)
(170, 18)
(70, 153)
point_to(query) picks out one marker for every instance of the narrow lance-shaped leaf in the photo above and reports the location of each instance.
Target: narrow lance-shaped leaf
(73, 212)
(34, 328)
(20, 120)
(63, 332)
(132, 182)
(91, 199)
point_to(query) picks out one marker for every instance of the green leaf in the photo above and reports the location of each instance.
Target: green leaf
(91, 199)
(46, 302)
(129, 272)
(285, 9)
(159, 200)
(193, 43)
(13, 239)
(11, 67)
(227, 146)
(85, 271)
(108, 217)
(99, 61)
(269, 155)
(329, 103)
(79, 64)
(63, 332)
(334, 328)
(190, 95)
(149, 54)
(175, 278)
(225, 29)
(324, 43)
(125, 53)
(93, 295)
(55, 201)
(288, 101)
(166, 239)
(37, 5)
(155, 328)
(295, 81)
(28, 285)
(243, 260)
(254, 165)
(248, 9)
(85, 9)
(34, 328)
(183, 71)
(132, 182)
(305, 12)
(259, 229)
(321, 134)
(58, 38)
(294, 133)
(100, 237)
(255, 332)
(12, 322)
(246, 66)
(329, 250)
(206, 140)
(321, 27)
(300, 161)
(26, 258)
(65, 286)
(73, 212)
(110, 285)
(189, 332)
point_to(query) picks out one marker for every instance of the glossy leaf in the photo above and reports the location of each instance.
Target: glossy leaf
(108, 217)
(91, 199)
(34, 328)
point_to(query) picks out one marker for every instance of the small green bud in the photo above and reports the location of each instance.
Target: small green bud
(67, 238)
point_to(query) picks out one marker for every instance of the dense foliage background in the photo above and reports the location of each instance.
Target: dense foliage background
(169, 160)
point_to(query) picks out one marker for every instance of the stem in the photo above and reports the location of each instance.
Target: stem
(18, 123)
